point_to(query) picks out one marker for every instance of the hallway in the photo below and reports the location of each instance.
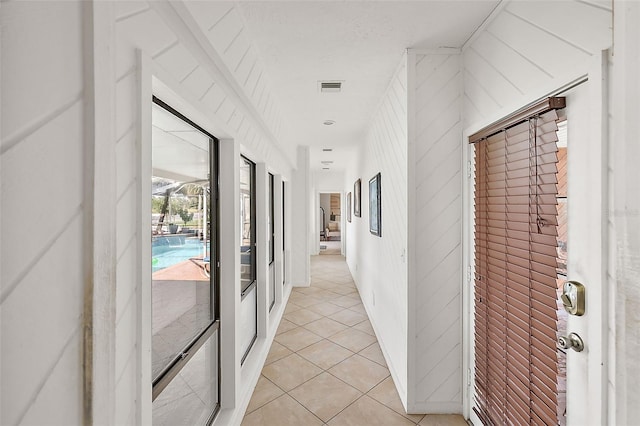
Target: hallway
(325, 365)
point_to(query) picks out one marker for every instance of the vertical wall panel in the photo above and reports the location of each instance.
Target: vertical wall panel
(41, 225)
(438, 345)
(625, 247)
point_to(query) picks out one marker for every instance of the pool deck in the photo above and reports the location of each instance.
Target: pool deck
(188, 270)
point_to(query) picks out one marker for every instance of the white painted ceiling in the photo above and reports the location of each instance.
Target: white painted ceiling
(359, 43)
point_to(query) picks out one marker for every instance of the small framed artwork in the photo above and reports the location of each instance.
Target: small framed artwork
(375, 206)
(356, 198)
(349, 207)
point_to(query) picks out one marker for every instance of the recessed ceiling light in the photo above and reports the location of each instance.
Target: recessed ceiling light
(329, 122)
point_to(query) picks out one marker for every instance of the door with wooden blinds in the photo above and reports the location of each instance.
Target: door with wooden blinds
(515, 273)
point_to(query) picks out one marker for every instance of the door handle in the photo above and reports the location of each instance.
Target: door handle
(573, 341)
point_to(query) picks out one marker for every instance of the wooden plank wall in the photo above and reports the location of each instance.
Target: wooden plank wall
(43, 234)
(438, 213)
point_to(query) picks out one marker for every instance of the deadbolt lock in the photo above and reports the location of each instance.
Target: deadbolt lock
(573, 297)
(572, 341)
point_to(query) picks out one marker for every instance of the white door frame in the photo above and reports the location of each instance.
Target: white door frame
(590, 400)
(343, 219)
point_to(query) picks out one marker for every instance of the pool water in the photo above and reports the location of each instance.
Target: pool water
(163, 256)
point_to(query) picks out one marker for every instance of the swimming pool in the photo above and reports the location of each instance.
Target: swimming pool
(172, 252)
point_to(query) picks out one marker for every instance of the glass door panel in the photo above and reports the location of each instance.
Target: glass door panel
(271, 243)
(249, 303)
(183, 248)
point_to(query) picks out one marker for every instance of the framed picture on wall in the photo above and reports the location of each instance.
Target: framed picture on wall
(349, 207)
(375, 206)
(356, 198)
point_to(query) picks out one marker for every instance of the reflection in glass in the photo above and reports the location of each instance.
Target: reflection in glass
(247, 231)
(189, 398)
(180, 248)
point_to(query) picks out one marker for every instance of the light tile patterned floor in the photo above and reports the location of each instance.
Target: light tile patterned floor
(325, 366)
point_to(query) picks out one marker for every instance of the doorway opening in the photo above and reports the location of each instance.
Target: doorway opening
(330, 223)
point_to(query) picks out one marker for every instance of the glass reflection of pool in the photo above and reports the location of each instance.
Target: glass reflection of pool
(171, 252)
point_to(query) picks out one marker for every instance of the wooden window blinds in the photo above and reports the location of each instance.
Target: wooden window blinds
(515, 268)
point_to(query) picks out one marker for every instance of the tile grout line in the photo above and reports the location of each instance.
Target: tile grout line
(327, 339)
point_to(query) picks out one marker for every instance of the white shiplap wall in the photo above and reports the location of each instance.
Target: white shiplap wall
(529, 50)
(624, 157)
(378, 265)
(183, 63)
(42, 242)
(224, 27)
(436, 259)
(43, 176)
(526, 48)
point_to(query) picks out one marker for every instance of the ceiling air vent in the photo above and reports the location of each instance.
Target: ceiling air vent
(327, 149)
(330, 86)
(326, 162)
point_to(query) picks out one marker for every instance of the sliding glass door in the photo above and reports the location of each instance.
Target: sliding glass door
(271, 242)
(249, 294)
(184, 254)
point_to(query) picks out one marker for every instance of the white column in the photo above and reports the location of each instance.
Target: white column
(625, 215)
(144, 326)
(100, 216)
(262, 252)
(278, 237)
(300, 220)
(230, 352)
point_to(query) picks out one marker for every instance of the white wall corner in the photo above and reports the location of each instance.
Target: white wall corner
(100, 214)
(435, 162)
(409, 399)
(262, 249)
(625, 203)
(279, 236)
(301, 199)
(144, 317)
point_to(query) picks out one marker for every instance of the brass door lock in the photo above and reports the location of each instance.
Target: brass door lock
(573, 297)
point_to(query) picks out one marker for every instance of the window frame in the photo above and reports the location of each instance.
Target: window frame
(244, 290)
(173, 368)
